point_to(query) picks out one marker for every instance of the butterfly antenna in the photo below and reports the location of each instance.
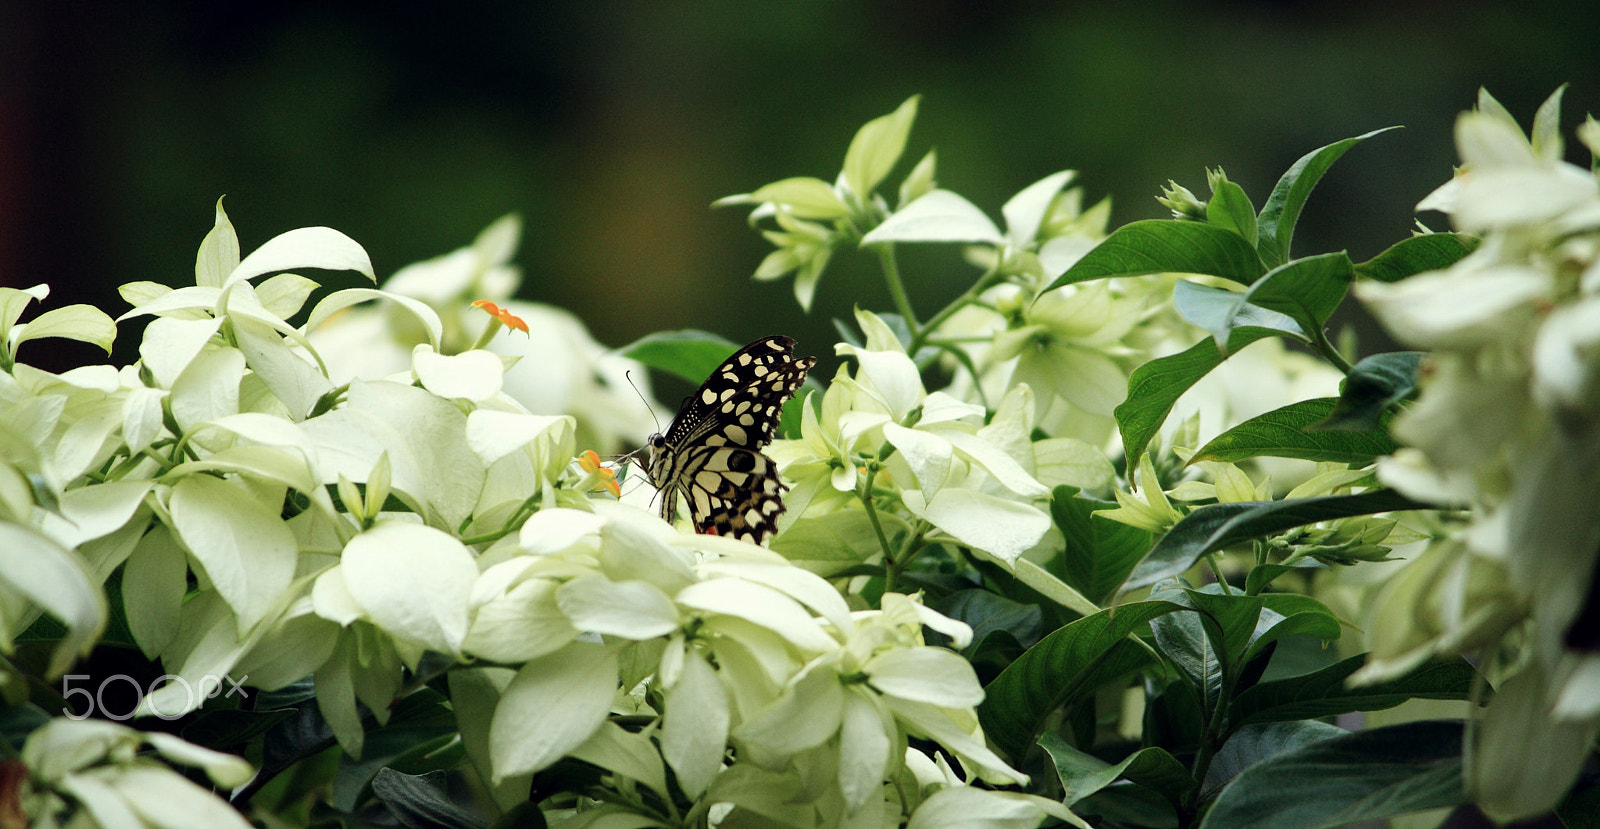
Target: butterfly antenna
(628, 375)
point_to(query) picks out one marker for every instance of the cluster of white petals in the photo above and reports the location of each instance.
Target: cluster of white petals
(1507, 425)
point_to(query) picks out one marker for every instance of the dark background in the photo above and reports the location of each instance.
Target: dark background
(611, 127)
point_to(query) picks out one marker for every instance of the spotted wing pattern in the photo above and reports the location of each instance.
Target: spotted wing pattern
(711, 454)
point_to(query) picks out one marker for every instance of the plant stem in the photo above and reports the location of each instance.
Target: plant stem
(1329, 352)
(897, 290)
(983, 283)
(1216, 570)
(1207, 751)
(865, 494)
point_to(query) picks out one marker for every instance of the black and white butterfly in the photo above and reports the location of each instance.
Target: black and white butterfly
(711, 454)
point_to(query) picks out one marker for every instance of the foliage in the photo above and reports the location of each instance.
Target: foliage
(1061, 550)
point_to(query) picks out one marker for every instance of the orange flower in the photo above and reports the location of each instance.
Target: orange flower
(599, 476)
(509, 319)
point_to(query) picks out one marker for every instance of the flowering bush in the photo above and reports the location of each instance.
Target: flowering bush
(1055, 552)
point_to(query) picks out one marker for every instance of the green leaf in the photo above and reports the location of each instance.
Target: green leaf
(1292, 432)
(1264, 574)
(1154, 387)
(1325, 693)
(1274, 627)
(1306, 290)
(1173, 717)
(1216, 526)
(1256, 743)
(423, 799)
(84, 323)
(1238, 619)
(1282, 210)
(1083, 774)
(1369, 775)
(877, 146)
(988, 613)
(226, 727)
(1409, 257)
(1165, 246)
(1100, 552)
(1070, 663)
(1374, 384)
(1186, 642)
(1220, 311)
(689, 354)
(832, 543)
(1230, 208)
(1581, 809)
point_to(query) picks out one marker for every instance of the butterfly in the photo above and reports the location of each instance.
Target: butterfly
(711, 454)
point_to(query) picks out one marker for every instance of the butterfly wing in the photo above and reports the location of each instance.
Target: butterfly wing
(711, 453)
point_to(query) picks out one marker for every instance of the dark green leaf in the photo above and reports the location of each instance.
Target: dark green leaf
(1581, 808)
(1165, 246)
(987, 613)
(1324, 693)
(1255, 743)
(1282, 210)
(423, 801)
(1126, 804)
(1262, 575)
(1238, 619)
(1229, 208)
(1307, 290)
(1084, 774)
(230, 726)
(1291, 432)
(1100, 552)
(1369, 775)
(525, 815)
(1374, 384)
(1071, 662)
(1408, 257)
(1172, 716)
(384, 746)
(1154, 387)
(689, 354)
(1183, 640)
(18, 721)
(1275, 626)
(1218, 525)
(1254, 668)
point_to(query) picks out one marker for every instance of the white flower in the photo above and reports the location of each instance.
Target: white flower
(92, 766)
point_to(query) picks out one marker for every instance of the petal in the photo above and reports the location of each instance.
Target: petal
(926, 674)
(413, 581)
(552, 706)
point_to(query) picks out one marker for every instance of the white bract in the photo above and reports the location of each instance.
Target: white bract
(1508, 423)
(89, 768)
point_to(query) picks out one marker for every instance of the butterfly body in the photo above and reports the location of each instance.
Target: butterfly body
(711, 454)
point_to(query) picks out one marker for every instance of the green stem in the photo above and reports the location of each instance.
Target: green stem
(865, 494)
(1326, 348)
(1207, 751)
(915, 544)
(1216, 570)
(897, 290)
(983, 283)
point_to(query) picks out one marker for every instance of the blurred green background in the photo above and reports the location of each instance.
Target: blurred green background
(611, 127)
